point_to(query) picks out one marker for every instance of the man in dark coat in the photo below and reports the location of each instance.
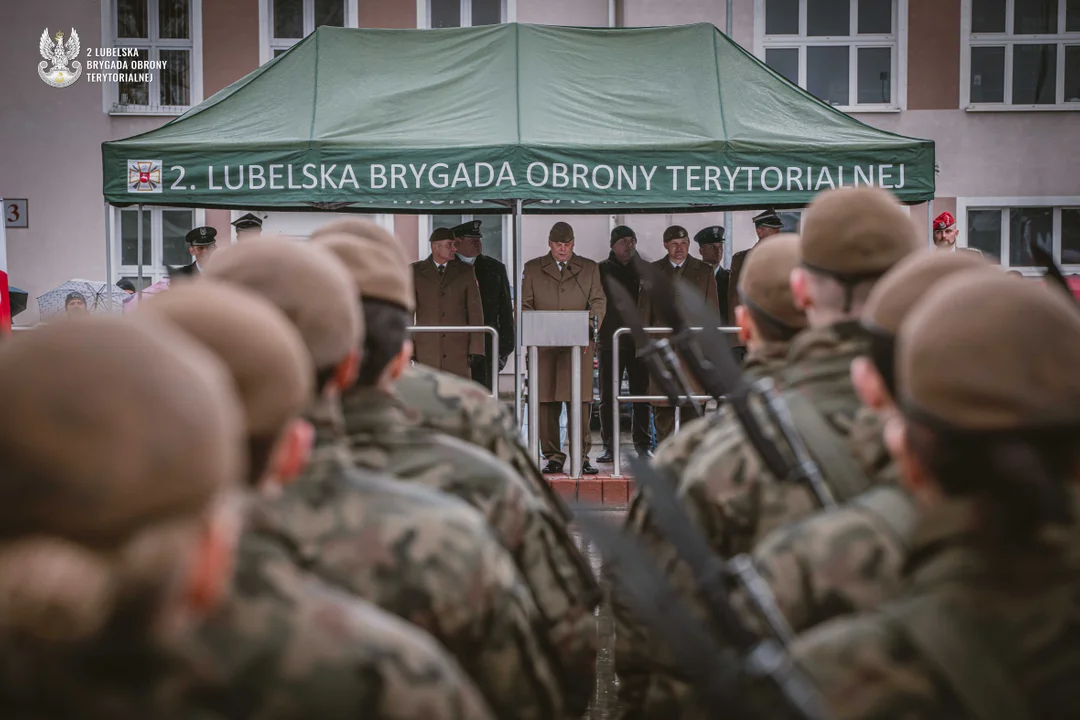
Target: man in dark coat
(619, 266)
(494, 297)
(710, 242)
(765, 224)
(202, 241)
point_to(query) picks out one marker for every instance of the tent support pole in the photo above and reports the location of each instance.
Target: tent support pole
(728, 17)
(930, 221)
(108, 256)
(519, 359)
(138, 241)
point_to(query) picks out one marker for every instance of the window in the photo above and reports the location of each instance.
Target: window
(848, 53)
(792, 219)
(492, 228)
(163, 244)
(465, 13)
(1004, 231)
(290, 21)
(160, 31)
(1021, 54)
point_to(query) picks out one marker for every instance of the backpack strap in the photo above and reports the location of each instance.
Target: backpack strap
(839, 468)
(958, 651)
(894, 508)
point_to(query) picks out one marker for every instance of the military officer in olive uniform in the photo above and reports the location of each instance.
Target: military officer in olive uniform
(710, 242)
(447, 294)
(202, 242)
(766, 224)
(494, 297)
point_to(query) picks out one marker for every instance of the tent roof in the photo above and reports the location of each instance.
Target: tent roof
(640, 98)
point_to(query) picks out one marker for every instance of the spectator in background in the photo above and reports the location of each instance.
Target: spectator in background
(126, 285)
(75, 304)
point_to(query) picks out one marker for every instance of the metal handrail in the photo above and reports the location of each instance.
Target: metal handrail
(616, 383)
(470, 329)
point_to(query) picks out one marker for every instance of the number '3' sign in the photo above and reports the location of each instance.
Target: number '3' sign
(15, 213)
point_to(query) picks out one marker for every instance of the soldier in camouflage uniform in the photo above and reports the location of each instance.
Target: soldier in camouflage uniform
(768, 319)
(849, 559)
(117, 538)
(988, 442)
(381, 438)
(850, 238)
(283, 644)
(418, 554)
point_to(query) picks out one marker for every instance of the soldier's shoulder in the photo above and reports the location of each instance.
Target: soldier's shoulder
(534, 263)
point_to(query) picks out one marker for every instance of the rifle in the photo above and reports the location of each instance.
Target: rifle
(719, 673)
(714, 364)
(1041, 256)
(657, 354)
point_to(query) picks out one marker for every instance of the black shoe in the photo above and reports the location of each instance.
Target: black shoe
(588, 469)
(552, 468)
(644, 452)
(606, 457)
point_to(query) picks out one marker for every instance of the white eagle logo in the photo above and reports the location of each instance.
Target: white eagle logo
(57, 58)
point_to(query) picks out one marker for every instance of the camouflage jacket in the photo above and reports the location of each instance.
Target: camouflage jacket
(467, 411)
(421, 555)
(734, 501)
(1006, 618)
(286, 646)
(566, 593)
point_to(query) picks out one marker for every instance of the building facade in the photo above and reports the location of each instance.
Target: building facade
(996, 83)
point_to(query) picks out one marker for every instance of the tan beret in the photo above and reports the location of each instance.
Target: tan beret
(271, 370)
(363, 229)
(856, 233)
(765, 281)
(306, 283)
(439, 234)
(987, 351)
(110, 426)
(378, 268)
(896, 294)
(561, 232)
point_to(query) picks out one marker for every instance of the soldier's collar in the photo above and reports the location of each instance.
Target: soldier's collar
(369, 408)
(846, 335)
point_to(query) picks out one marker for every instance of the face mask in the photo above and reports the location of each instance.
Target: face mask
(468, 260)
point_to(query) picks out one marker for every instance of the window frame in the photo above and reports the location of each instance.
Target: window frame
(423, 13)
(1005, 204)
(111, 91)
(898, 43)
(969, 40)
(156, 270)
(268, 44)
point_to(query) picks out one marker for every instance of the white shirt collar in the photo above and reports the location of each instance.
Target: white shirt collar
(674, 265)
(467, 260)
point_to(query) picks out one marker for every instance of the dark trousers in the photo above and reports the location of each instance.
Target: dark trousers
(638, 374)
(550, 443)
(665, 420)
(481, 372)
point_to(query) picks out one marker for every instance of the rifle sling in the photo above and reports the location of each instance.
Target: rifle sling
(845, 477)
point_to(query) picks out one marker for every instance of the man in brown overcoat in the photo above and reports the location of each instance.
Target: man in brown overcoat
(677, 264)
(562, 280)
(447, 294)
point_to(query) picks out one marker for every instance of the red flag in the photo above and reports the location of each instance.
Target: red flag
(5, 304)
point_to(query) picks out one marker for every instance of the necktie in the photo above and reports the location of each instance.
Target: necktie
(561, 267)
(442, 270)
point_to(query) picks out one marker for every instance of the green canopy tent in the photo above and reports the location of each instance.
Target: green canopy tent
(511, 117)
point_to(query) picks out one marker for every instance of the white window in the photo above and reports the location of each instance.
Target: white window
(851, 54)
(162, 31)
(287, 22)
(1020, 55)
(1004, 227)
(163, 241)
(462, 13)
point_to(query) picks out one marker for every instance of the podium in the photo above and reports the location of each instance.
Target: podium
(556, 329)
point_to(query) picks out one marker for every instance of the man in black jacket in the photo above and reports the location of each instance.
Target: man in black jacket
(619, 266)
(202, 241)
(710, 243)
(494, 296)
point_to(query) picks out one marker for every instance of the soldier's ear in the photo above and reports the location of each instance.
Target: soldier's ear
(401, 361)
(292, 452)
(747, 331)
(869, 384)
(213, 562)
(348, 370)
(800, 289)
(913, 476)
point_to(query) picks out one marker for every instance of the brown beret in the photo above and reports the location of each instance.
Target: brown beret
(441, 234)
(110, 426)
(306, 283)
(856, 233)
(765, 281)
(561, 232)
(379, 271)
(270, 367)
(894, 296)
(358, 227)
(986, 351)
(675, 232)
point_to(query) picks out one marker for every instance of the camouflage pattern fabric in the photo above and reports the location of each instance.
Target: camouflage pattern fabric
(421, 555)
(566, 593)
(467, 411)
(1021, 604)
(285, 646)
(734, 501)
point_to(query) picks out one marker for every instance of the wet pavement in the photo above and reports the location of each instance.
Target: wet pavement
(603, 704)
